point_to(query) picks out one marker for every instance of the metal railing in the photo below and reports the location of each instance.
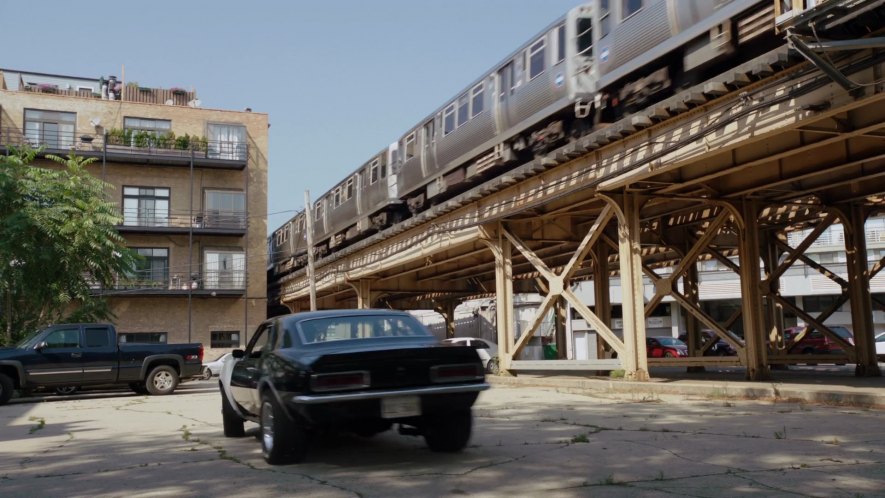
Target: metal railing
(148, 218)
(130, 93)
(99, 143)
(151, 282)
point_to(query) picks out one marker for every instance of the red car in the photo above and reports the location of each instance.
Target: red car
(665, 347)
(816, 342)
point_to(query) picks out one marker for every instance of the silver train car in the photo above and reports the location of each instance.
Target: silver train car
(599, 61)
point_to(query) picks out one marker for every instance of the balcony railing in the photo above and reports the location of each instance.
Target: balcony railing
(200, 220)
(131, 93)
(92, 144)
(226, 281)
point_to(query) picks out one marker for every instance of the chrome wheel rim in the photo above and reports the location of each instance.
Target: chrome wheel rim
(267, 426)
(163, 380)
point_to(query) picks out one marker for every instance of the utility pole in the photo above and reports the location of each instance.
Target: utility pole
(311, 276)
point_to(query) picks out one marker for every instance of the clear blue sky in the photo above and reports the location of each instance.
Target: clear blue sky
(340, 80)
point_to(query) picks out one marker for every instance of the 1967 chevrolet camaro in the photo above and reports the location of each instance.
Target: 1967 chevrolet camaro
(358, 371)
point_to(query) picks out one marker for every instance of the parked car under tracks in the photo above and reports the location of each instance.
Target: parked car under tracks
(358, 371)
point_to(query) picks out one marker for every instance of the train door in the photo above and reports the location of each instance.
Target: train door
(503, 88)
(393, 163)
(428, 142)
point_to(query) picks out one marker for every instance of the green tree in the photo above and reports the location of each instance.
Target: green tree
(57, 240)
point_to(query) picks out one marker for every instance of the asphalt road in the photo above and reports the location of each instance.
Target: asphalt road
(526, 442)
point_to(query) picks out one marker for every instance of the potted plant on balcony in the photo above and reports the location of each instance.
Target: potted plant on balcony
(47, 88)
(177, 91)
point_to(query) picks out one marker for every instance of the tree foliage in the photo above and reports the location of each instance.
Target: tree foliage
(57, 242)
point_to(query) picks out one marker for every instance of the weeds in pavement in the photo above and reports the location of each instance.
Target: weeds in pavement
(580, 438)
(41, 423)
(660, 476)
(617, 374)
(781, 434)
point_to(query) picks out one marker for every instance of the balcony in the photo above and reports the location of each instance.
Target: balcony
(216, 154)
(210, 222)
(211, 283)
(130, 93)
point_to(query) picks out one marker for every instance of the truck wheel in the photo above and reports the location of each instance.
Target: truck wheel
(162, 380)
(6, 387)
(66, 390)
(233, 424)
(494, 366)
(282, 441)
(138, 387)
(448, 432)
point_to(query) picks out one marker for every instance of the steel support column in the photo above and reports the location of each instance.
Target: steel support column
(859, 292)
(751, 295)
(774, 316)
(601, 293)
(635, 361)
(504, 322)
(447, 310)
(560, 313)
(691, 289)
(363, 288)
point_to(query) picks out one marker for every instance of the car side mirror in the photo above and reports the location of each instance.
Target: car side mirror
(238, 354)
(41, 346)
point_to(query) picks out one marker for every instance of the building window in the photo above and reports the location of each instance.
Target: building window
(152, 268)
(145, 206)
(224, 208)
(536, 59)
(227, 142)
(142, 338)
(224, 270)
(225, 339)
(476, 99)
(148, 127)
(52, 129)
(449, 119)
(630, 7)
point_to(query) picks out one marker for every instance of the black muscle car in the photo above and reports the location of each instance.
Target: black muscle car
(358, 371)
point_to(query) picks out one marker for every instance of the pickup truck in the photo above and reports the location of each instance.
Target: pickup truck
(80, 354)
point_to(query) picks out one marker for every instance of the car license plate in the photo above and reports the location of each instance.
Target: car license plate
(403, 406)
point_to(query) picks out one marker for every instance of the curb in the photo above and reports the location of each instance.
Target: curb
(824, 395)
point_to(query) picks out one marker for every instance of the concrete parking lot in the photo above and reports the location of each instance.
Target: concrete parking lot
(528, 441)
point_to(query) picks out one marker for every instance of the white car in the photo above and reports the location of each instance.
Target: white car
(880, 347)
(487, 351)
(213, 368)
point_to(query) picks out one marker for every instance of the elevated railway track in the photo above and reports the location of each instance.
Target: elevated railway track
(723, 170)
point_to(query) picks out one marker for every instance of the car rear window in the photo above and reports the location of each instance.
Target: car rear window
(343, 328)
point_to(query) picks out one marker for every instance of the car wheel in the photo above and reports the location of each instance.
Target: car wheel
(162, 380)
(6, 387)
(669, 354)
(448, 432)
(233, 424)
(494, 366)
(281, 440)
(66, 390)
(207, 374)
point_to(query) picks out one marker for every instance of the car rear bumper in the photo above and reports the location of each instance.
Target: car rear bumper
(313, 399)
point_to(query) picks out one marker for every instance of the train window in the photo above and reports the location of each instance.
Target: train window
(476, 102)
(517, 70)
(428, 134)
(560, 44)
(536, 59)
(363, 178)
(318, 211)
(336, 197)
(463, 109)
(585, 36)
(410, 146)
(373, 171)
(349, 190)
(449, 119)
(383, 169)
(630, 7)
(604, 18)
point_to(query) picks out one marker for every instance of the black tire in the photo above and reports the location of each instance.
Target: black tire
(494, 366)
(138, 387)
(233, 424)
(66, 390)
(669, 354)
(162, 380)
(282, 441)
(6, 388)
(207, 374)
(448, 432)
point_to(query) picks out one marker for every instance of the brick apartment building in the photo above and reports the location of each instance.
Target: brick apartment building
(191, 185)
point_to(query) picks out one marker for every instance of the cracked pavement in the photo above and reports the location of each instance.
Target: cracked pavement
(527, 441)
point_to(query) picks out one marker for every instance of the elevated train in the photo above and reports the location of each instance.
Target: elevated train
(596, 63)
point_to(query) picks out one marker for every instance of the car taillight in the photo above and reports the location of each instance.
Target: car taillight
(201, 352)
(456, 373)
(340, 381)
